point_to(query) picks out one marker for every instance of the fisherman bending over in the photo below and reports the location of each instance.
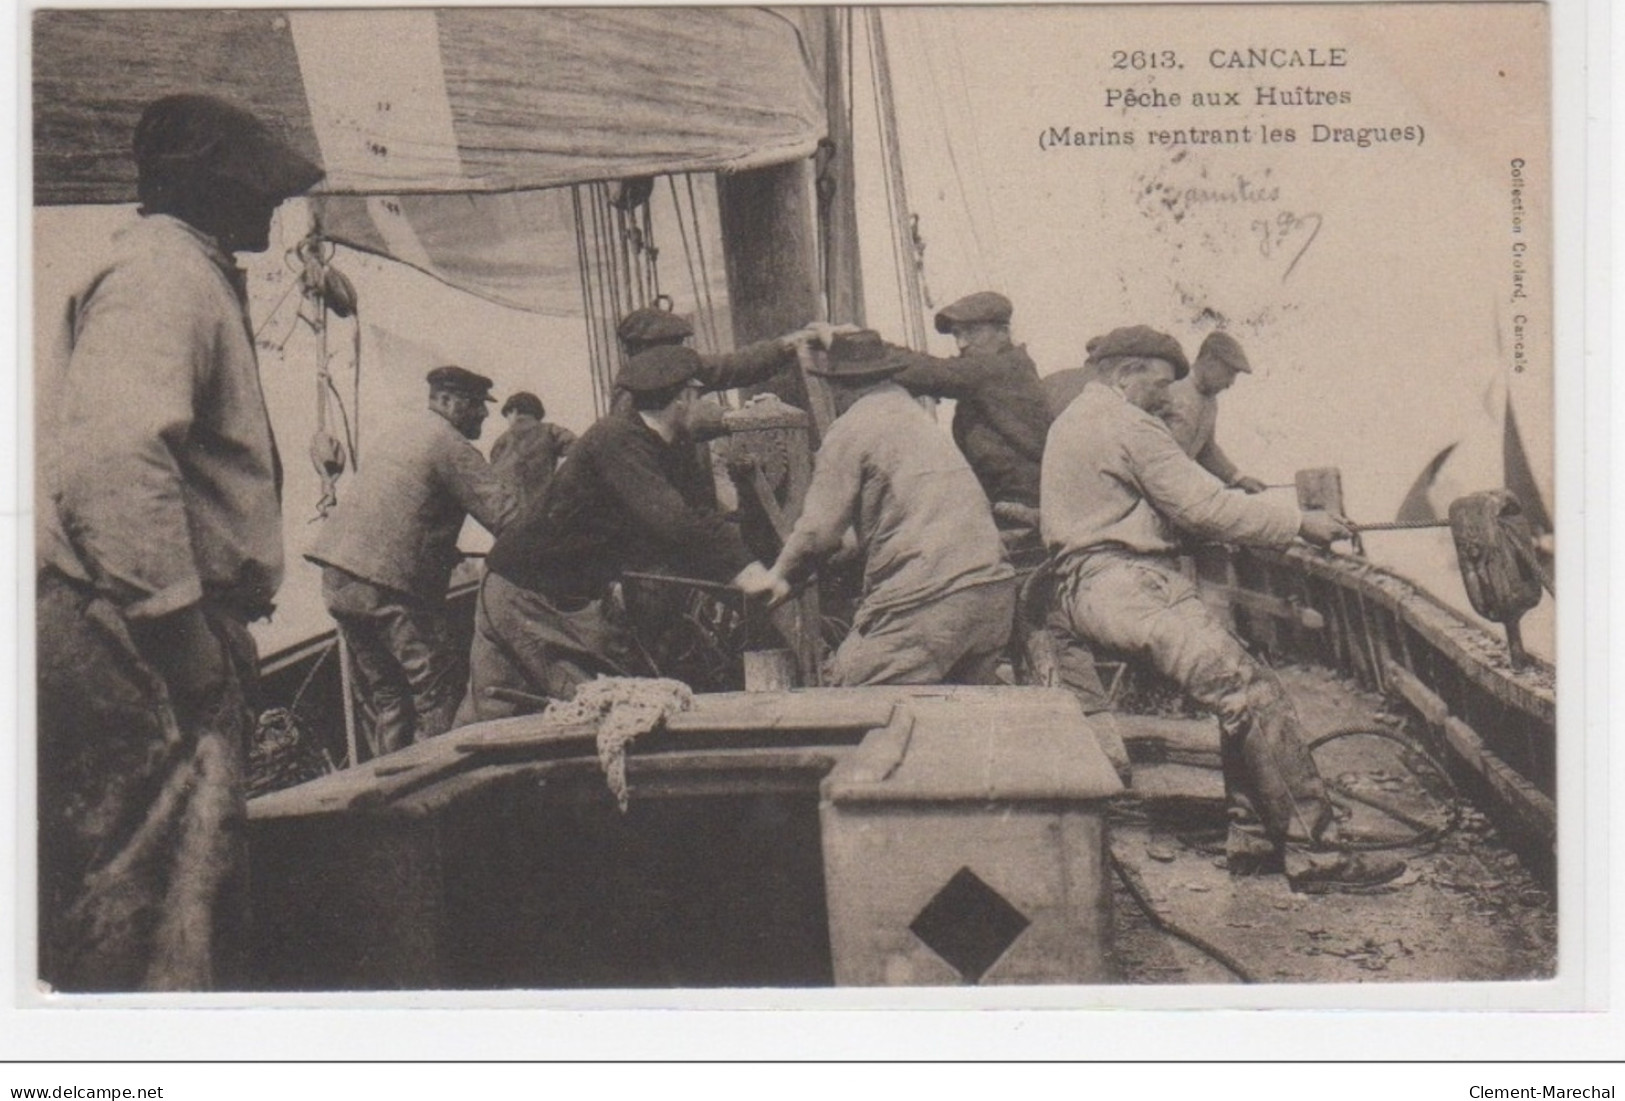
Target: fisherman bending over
(1193, 408)
(938, 596)
(632, 496)
(160, 539)
(388, 550)
(1119, 495)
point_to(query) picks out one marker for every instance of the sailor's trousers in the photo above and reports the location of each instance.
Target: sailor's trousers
(1144, 606)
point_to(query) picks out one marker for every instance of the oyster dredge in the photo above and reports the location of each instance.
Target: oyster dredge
(757, 667)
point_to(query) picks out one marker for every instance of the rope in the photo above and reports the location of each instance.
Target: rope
(705, 274)
(688, 256)
(909, 250)
(1136, 889)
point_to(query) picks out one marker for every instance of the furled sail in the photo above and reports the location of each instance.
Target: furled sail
(442, 130)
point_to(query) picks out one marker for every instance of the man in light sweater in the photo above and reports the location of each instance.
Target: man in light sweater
(1120, 496)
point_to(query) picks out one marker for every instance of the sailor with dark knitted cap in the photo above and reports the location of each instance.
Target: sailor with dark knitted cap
(526, 455)
(1121, 499)
(160, 515)
(938, 596)
(389, 548)
(632, 495)
(1192, 414)
(1000, 415)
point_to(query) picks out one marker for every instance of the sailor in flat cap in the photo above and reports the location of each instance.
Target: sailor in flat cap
(160, 538)
(387, 552)
(754, 364)
(938, 596)
(1120, 498)
(631, 497)
(1192, 413)
(1000, 415)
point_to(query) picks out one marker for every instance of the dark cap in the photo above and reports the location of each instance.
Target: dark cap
(982, 307)
(1226, 349)
(204, 137)
(1142, 341)
(459, 380)
(653, 326)
(859, 355)
(658, 368)
(524, 402)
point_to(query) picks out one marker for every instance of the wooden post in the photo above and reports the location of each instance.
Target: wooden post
(837, 186)
(770, 241)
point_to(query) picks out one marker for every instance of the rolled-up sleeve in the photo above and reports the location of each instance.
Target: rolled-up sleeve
(746, 366)
(139, 363)
(1197, 502)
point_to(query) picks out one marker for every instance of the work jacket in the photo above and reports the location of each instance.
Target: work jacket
(525, 456)
(1116, 479)
(1000, 415)
(397, 523)
(625, 499)
(159, 477)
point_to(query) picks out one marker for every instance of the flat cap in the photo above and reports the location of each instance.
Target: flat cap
(858, 355)
(460, 380)
(1226, 349)
(983, 306)
(658, 368)
(653, 326)
(203, 136)
(1139, 340)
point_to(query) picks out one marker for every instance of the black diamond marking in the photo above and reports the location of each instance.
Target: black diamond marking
(969, 924)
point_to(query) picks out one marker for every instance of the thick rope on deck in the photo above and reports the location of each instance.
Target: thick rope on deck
(623, 708)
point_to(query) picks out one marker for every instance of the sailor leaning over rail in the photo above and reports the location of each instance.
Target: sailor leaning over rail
(1192, 413)
(388, 550)
(160, 539)
(631, 496)
(938, 595)
(1119, 495)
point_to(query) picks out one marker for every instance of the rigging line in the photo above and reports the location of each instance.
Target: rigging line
(939, 98)
(609, 274)
(980, 159)
(705, 274)
(604, 275)
(586, 302)
(650, 248)
(634, 281)
(605, 319)
(915, 304)
(898, 277)
(688, 257)
(620, 284)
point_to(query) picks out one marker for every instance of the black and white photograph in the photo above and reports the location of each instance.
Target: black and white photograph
(1058, 501)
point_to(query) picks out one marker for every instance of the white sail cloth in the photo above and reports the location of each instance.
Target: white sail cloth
(440, 129)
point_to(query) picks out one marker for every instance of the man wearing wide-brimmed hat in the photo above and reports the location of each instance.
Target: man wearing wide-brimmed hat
(1120, 497)
(631, 496)
(388, 550)
(938, 596)
(160, 538)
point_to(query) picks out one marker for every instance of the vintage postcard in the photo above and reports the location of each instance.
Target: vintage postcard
(721, 504)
